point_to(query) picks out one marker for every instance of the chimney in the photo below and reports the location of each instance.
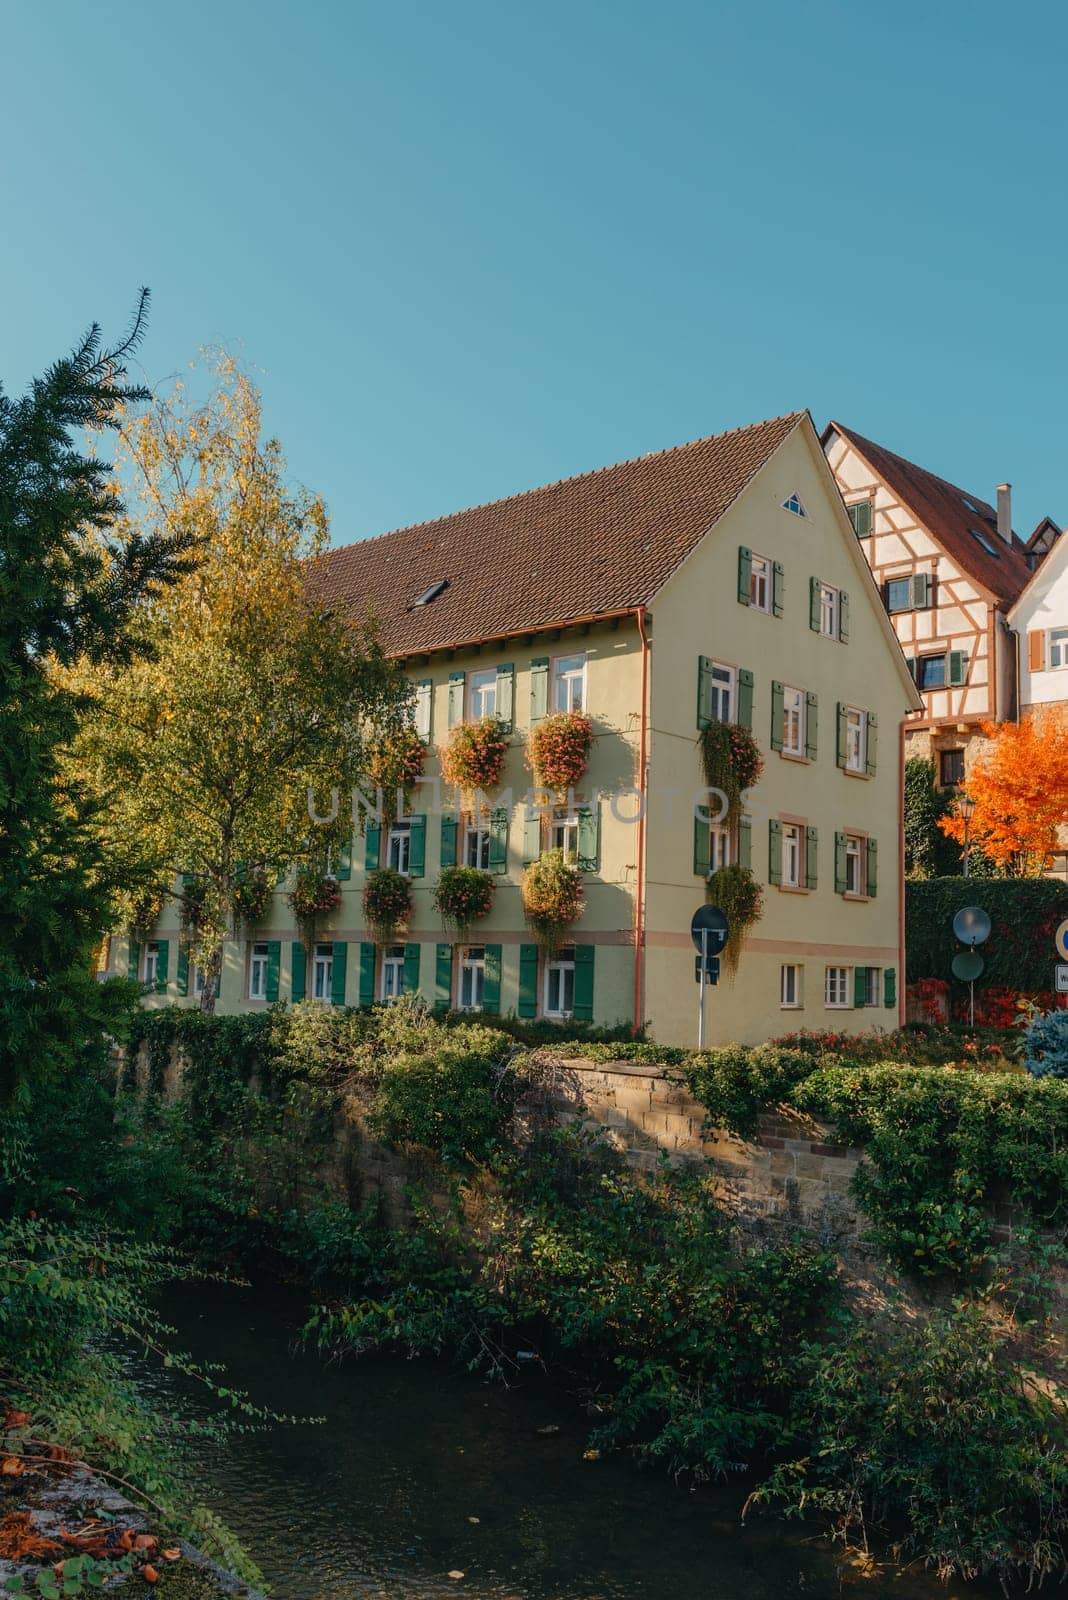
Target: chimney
(1005, 511)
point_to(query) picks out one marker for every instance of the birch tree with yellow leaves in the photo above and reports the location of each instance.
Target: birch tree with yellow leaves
(255, 694)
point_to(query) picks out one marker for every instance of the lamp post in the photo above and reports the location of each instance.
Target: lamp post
(965, 811)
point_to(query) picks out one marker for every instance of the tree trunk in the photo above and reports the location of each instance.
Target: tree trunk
(210, 991)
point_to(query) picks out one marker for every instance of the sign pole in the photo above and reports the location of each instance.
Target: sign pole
(701, 1002)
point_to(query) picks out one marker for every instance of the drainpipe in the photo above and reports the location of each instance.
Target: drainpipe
(901, 874)
(639, 884)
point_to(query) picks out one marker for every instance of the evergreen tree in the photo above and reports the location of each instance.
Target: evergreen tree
(72, 587)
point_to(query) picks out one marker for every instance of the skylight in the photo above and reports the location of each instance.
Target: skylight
(794, 505)
(431, 593)
(990, 549)
(971, 506)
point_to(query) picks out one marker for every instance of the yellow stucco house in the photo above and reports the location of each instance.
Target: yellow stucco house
(721, 580)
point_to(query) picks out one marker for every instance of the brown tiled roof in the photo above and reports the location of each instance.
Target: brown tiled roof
(940, 507)
(590, 546)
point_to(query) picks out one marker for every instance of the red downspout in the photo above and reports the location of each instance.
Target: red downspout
(639, 885)
(901, 876)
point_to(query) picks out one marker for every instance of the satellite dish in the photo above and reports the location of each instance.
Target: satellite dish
(967, 965)
(710, 921)
(972, 925)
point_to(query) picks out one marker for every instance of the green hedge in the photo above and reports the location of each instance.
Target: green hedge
(1024, 913)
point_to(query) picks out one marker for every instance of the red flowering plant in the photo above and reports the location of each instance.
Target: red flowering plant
(315, 894)
(732, 761)
(396, 758)
(558, 750)
(387, 903)
(463, 895)
(252, 894)
(552, 898)
(473, 755)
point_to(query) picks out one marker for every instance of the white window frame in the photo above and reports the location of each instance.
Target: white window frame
(482, 694)
(720, 851)
(150, 962)
(793, 855)
(761, 582)
(793, 720)
(830, 611)
(391, 981)
(790, 986)
(558, 969)
(565, 831)
(258, 959)
(472, 977)
(399, 848)
(836, 988)
(1058, 649)
(856, 740)
(724, 692)
(323, 973)
(477, 845)
(854, 853)
(794, 505)
(569, 683)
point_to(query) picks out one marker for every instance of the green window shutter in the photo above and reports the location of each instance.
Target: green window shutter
(182, 974)
(506, 696)
(344, 862)
(890, 987)
(583, 1011)
(840, 863)
(274, 967)
(776, 715)
(372, 846)
(777, 581)
(774, 851)
(842, 736)
(417, 847)
(163, 947)
(921, 585)
(498, 850)
(443, 977)
(745, 843)
(814, 604)
(704, 691)
(860, 986)
(528, 980)
(222, 969)
(298, 983)
(185, 880)
(133, 959)
(424, 708)
(873, 867)
(589, 839)
(702, 852)
(872, 744)
(957, 668)
(745, 574)
(448, 841)
(367, 974)
(491, 983)
(456, 698)
(860, 517)
(539, 692)
(531, 837)
(411, 969)
(337, 972)
(843, 616)
(812, 840)
(745, 698)
(812, 722)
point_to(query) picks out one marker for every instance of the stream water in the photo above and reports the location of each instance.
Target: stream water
(420, 1470)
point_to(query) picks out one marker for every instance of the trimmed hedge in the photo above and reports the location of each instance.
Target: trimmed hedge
(1019, 953)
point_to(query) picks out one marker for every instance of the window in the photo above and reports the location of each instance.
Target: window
(856, 747)
(432, 593)
(987, 544)
(392, 971)
(789, 987)
(472, 977)
(151, 962)
(793, 721)
(400, 847)
(951, 767)
(477, 845)
(565, 832)
(792, 847)
(867, 986)
(719, 846)
(794, 505)
(1058, 647)
(482, 694)
(854, 856)
(560, 984)
(829, 610)
(198, 981)
(257, 973)
(899, 594)
(569, 683)
(931, 672)
(323, 972)
(424, 705)
(760, 583)
(724, 681)
(861, 515)
(837, 988)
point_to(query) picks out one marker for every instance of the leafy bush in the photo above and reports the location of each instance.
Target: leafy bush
(737, 1082)
(1046, 1046)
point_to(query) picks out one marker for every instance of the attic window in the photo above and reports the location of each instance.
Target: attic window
(971, 505)
(982, 539)
(431, 593)
(793, 504)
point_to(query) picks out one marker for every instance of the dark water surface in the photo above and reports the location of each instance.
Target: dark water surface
(420, 1469)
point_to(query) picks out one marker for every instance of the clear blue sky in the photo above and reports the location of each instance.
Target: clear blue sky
(477, 246)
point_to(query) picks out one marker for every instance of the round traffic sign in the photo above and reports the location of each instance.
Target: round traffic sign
(972, 925)
(710, 921)
(967, 965)
(1060, 939)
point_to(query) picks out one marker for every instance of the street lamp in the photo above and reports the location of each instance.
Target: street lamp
(965, 811)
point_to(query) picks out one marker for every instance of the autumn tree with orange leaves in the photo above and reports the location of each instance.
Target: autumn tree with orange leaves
(1020, 788)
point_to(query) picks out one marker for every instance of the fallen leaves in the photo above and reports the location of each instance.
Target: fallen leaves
(12, 1467)
(20, 1542)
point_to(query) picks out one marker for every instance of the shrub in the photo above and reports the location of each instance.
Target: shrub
(735, 1083)
(552, 897)
(387, 902)
(558, 749)
(473, 755)
(463, 895)
(1046, 1046)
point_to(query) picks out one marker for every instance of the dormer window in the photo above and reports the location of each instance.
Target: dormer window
(431, 593)
(982, 539)
(794, 506)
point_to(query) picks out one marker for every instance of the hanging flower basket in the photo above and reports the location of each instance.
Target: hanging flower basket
(252, 895)
(558, 750)
(473, 755)
(463, 895)
(739, 896)
(732, 761)
(313, 895)
(552, 898)
(396, 759)
(145, 913)
(387, 903)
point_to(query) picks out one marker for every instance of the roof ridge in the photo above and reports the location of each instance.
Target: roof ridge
(557, 483)
(965, 494)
